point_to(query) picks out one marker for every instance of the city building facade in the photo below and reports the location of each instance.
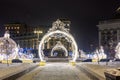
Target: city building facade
(29, 37)
(109, 35)
(24, 35)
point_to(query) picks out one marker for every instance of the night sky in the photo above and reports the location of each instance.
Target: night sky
(84, 15)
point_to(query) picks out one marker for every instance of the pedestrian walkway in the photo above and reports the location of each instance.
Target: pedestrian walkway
(55, 71)
(6, 71)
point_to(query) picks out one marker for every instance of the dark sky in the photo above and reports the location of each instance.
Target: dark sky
(84, 15)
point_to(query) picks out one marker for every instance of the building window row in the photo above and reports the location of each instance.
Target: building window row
(8, 28)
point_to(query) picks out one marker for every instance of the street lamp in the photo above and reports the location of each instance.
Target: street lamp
(38, 32)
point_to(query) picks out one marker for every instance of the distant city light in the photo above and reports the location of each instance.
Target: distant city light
(59, 46)
(38, 31)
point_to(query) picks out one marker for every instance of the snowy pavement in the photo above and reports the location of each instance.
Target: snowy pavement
(6, 71)
(55, 71)
(100, 68)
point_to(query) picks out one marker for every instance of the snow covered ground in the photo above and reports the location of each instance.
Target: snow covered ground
(6, 71)
(55, 71)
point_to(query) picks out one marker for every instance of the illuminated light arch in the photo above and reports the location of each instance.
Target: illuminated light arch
(75, 50)
(59, 46)
(58, 28)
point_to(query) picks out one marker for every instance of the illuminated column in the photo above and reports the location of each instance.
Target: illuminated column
(38, 32)
(26, 42)
(33, 43)
(43, 46)
(69, 46)
(54, 42)
(36, 43)
(118, 33)
(48, 45)
(28, 45)
(22, 43)
(99, 37)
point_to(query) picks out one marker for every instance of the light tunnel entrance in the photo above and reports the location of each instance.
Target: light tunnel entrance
(58, 28)
(58, 53)
(59, 50)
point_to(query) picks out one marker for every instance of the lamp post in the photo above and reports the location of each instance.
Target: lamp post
(38, 32)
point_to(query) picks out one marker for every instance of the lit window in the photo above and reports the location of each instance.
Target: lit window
(40, 32)
(6, 28)
(17, 31)
(68, 24)
(18, 27)
(14, 27)
(11, 27)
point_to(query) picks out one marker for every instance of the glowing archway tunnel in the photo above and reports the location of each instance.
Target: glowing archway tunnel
(59, 46)
(58, 28)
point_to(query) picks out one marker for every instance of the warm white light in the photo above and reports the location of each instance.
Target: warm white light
(75, 50)
(17, 31)
(59, 46)
(58, 27)
(117, 51)
(18, 27)
(38, 31)
(7, 44)
(6, 28)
